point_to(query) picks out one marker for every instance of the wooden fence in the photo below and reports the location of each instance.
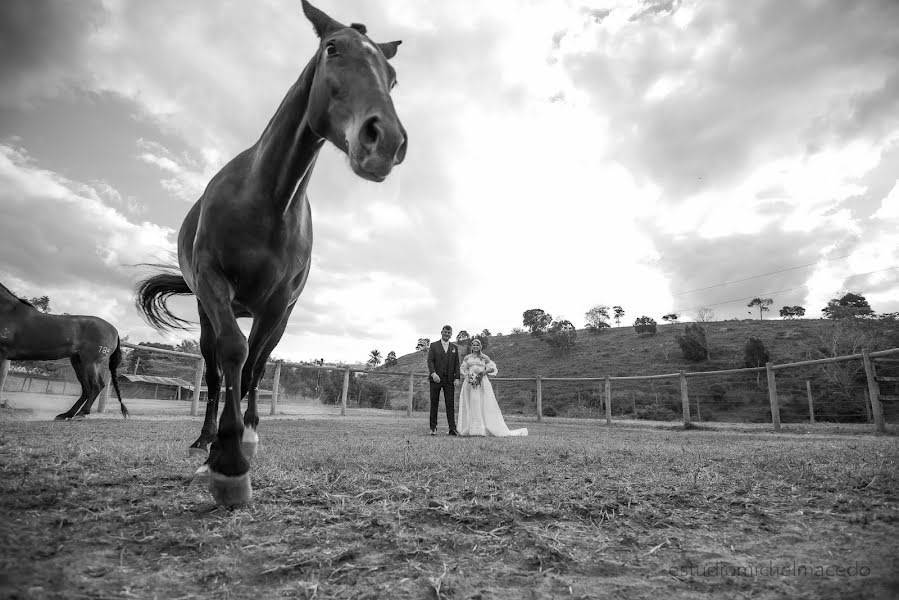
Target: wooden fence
(868, 358)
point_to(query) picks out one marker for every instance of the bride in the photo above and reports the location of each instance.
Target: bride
(479, 412)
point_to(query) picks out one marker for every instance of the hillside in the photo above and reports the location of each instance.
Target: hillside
(621, 352)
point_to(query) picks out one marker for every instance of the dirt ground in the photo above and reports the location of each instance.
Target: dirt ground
(370, 506)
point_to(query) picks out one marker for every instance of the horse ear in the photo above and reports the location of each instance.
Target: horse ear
(389, 49)
(322, 23)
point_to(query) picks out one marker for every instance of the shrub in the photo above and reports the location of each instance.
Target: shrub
(561, 335)
(693, 343)
(549, 411)
(645, 325)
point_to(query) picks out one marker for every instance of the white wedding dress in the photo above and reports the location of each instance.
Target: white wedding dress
(479, 412)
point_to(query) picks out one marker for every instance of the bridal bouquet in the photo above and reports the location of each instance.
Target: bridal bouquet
(475, 376)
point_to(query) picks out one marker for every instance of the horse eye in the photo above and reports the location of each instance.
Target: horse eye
(394, 84)
(330, 49)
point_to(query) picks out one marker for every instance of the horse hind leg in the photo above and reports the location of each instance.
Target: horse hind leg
(95, 380)
(78, 365)
(213, 386)
(264, 336)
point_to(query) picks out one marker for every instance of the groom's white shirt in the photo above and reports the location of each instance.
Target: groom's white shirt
(445, 346)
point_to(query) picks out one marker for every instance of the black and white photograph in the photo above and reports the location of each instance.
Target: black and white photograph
(449, 300)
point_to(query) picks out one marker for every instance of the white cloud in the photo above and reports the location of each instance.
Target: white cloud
(81, 250)
(687, 144)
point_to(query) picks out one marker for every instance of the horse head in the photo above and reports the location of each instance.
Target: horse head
(349, 103)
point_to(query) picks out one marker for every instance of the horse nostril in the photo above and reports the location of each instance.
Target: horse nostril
(401, 152)
(370, 133)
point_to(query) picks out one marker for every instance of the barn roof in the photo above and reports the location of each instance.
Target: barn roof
(174, 382)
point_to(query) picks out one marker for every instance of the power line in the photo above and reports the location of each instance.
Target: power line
(760, 276)
(681, 310)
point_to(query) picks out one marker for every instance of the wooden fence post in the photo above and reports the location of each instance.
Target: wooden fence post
(811, 403)
(634, 403)
(684, 398)
(411, 393)
(608, 401)
(698, 410)
(345, 392)
(276, 386)
(539, 399)
(198, 381)
(772, 397)
(874, 392)
(104, 397)
(4, 370)
(868, 418)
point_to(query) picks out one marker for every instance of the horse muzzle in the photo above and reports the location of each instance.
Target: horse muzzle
(378, 146)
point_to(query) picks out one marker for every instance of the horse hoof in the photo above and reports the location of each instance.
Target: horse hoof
(200, 477)
(250, 442)
(230, 491)
(61, 418)
(194, 451)
(79, 417)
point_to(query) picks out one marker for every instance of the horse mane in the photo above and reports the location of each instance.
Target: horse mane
(359, 27)
(22, 300)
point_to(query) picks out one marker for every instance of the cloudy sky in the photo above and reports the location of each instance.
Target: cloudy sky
(562, 154)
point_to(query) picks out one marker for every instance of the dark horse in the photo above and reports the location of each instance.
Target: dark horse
(89, 342)
(244, 248)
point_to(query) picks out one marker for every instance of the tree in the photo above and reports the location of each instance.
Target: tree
(693, 343)
(848, 306)
(597, 318)
(484, 336)
(705, 316)
(645, 325)
(463, 337)
(374, 358)
(561, 335)
(518, 330)
(763, 304)
(190, 346)
(536, 320)
(42, 303)
(390, 361)
(670, 318)
(423, 344)
(619, 312)
(792, 312)
(755, 355)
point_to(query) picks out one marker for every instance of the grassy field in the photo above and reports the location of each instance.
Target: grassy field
(370, 507)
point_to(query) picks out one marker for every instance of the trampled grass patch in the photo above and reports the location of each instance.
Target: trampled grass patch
(366, 507)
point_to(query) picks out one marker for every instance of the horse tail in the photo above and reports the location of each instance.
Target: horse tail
(153, 293)
(114, 361)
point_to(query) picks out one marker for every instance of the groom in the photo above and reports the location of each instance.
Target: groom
(443, 369)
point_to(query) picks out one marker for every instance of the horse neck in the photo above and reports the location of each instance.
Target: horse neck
(286, 152)
(8, 297)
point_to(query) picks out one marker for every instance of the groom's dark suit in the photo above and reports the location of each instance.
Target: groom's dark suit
(446, 365)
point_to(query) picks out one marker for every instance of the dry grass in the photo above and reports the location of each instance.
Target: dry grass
(365, 507)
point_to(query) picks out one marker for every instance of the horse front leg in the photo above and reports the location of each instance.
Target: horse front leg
(229, 469)
(264, 336)
(213, 385)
